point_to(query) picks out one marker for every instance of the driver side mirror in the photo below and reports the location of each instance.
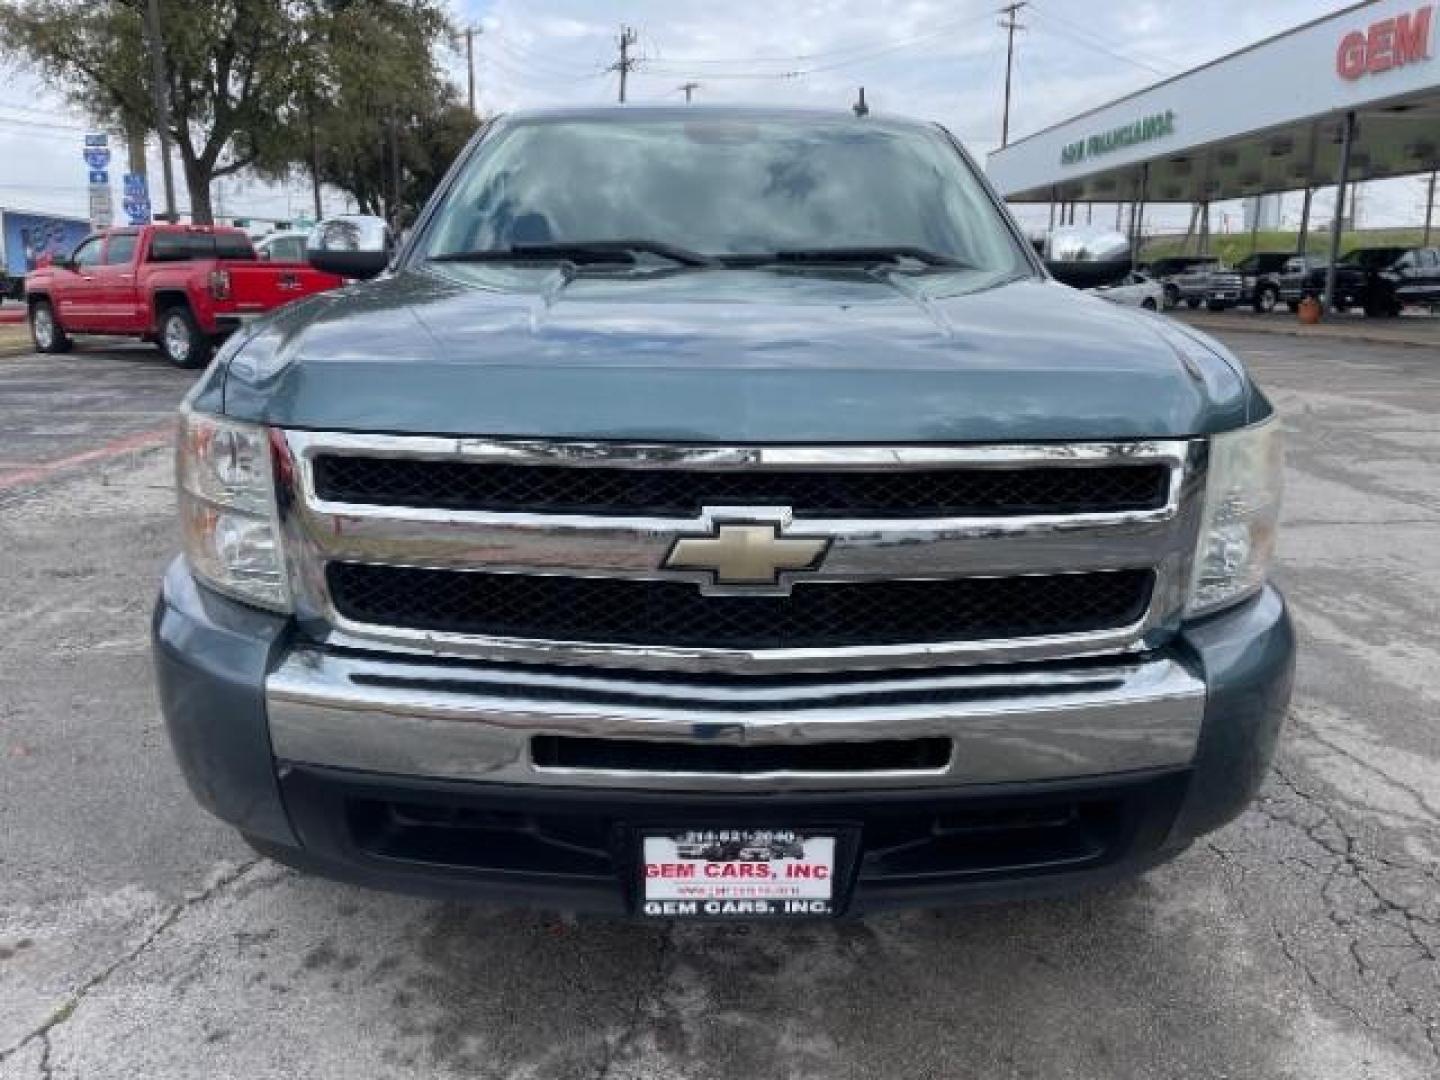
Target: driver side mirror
(350, 245)
(1084, 257)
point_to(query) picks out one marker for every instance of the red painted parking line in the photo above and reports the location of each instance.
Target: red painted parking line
(129, 444)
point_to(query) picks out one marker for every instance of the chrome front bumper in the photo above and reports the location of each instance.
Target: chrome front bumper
(426, 718)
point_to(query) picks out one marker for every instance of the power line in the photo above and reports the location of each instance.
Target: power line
(824, 54)
(676, 68)
(515, 72)
(1080, 37)
(522, 57)
(50, 114)
(47, 125)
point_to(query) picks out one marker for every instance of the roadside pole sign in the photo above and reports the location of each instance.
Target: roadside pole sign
(136, 200)
(96, 152)
(102, 210)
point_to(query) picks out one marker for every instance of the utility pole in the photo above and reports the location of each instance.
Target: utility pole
(860, 108)
(161, 103)
(470, 32)
(1009, 25)
(626, 63)
(689, 88)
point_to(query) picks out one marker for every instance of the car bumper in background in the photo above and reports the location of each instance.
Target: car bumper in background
(515, 783)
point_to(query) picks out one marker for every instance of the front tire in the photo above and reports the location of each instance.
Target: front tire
(1266, 298)
(1172, 297)
(1192, 303)
(181, 340)
(1149, 304)
(45, 329)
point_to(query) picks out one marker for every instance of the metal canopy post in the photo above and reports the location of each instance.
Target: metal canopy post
(1137, 217)
(1429, 210)
(1204, 248)
(1300, 242)
(1347, 137)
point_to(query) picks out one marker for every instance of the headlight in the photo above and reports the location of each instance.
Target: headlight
(1242, 510)
(228, 519)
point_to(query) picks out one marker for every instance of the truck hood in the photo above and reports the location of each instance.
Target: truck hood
(727, 356)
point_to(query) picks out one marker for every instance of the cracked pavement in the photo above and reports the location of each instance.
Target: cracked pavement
(140, 938)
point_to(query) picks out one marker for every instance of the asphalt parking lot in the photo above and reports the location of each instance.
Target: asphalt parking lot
(139, 938)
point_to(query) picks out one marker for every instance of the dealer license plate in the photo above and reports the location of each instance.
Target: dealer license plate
(737, 873)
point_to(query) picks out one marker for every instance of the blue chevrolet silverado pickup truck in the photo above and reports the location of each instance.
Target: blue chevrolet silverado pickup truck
(720, 513)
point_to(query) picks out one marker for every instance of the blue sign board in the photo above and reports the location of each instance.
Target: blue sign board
(99, 176)
(93, 138)
(137, 199)
(28, 236)
(97, 158)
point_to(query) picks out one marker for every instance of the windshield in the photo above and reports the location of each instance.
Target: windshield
(1373, 258)
(722, 185)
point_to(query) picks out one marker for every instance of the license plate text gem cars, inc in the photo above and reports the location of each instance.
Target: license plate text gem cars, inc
(745, 873)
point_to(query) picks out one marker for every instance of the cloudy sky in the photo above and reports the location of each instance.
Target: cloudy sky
(939, 59)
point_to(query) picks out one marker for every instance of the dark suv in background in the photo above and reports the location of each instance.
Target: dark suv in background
(1379, 280)
(1260, 278)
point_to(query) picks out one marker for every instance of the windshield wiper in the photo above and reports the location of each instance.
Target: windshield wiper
(866, 255)
(580, 253)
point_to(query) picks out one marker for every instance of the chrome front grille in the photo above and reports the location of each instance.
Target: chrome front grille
(556, 552)
(808, 493)
(829, 615)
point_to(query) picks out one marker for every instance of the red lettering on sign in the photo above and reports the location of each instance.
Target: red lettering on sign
(737, 870)
(1350, 59)
(669, 870)
(807, 870)
(1412, 36)
(1380, 47)
(1389, 43)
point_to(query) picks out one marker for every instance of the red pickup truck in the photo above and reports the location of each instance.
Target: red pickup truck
(182, 286)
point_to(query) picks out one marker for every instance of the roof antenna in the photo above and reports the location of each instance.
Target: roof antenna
(861, 109)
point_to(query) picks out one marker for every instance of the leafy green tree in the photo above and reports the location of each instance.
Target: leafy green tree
(245, 77)
(380, 106)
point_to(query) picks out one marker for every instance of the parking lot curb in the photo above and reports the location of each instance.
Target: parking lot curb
(1320, 331)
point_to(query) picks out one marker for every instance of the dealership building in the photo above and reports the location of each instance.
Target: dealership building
(1350, 97)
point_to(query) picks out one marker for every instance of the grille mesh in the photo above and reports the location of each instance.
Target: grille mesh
(816, 615)
(461, 485)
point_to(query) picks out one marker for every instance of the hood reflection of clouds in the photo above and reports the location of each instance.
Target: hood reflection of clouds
(718, 186)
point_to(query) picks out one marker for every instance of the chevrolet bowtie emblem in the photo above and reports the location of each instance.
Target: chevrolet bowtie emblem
(746, 554)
